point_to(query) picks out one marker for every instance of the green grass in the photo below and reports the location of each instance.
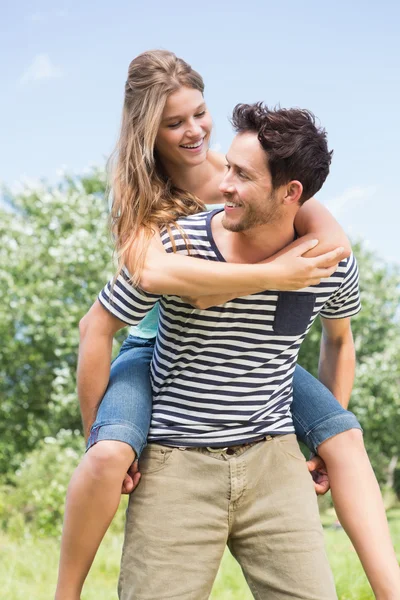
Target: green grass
(28, 568)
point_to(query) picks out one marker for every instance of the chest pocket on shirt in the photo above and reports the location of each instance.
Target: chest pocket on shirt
(293, 312)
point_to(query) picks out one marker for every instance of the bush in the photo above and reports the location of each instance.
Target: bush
(34, 501)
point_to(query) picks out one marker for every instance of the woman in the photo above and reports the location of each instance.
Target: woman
(163, 167)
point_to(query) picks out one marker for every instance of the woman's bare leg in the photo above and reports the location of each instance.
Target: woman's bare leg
(93, 497)
(359, 507)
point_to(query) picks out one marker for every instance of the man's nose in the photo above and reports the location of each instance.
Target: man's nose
(226, 186)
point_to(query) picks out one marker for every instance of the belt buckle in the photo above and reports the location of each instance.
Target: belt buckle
(216, 449)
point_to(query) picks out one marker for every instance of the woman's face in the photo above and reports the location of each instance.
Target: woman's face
(185, 129)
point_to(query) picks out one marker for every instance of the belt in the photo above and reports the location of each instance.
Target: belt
(230, 450)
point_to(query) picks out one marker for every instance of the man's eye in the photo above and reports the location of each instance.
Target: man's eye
(242, 175)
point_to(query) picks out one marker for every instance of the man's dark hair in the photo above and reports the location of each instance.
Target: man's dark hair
(296, 147)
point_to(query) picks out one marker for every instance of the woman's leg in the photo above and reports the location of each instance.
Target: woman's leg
(336, 436)
(117, 437)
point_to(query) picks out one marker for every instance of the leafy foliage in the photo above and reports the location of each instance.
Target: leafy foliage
(34, 499)
(376, 329)
(55, 257)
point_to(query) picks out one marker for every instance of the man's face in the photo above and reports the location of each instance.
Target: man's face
(250, 199)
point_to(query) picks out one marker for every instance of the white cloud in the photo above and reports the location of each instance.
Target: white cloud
(41, 68)
(348, 199)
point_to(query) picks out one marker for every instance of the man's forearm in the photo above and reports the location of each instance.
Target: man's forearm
(93, 374)
(337, 367)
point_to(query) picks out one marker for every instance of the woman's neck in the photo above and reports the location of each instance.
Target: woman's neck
(202, 180)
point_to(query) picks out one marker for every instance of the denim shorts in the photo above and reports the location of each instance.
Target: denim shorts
(125, 411)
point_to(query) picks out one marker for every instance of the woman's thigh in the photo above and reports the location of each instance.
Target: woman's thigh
(125, 411)
(317, 415)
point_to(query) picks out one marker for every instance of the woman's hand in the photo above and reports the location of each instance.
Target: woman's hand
(288, 270)
(292, 271)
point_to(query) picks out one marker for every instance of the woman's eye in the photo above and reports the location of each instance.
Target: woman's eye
(174, 125)
(228, 167)
(201, 114)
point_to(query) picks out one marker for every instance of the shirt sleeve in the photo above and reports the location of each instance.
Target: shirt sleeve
(127, 303)
(345, 302)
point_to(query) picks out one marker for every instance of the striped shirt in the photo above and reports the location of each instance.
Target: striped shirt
(223, 375)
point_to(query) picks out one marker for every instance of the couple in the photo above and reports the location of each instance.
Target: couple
(222, 464)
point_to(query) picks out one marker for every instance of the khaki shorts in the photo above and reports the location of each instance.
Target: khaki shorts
(190, 503)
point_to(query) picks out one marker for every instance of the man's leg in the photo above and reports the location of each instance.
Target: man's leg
(275, 532)
(177, 526)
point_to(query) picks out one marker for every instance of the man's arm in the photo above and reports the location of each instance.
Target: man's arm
(119, 304)
(336, 371)
(96, 332)
(337, 358)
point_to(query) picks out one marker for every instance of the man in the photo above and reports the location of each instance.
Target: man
(223, 465)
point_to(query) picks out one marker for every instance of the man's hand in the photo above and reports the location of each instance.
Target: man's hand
(318, 471)
(131, 479)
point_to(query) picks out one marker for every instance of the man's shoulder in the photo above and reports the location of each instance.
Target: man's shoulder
(342, 293)
(346, 272)
(347, 267)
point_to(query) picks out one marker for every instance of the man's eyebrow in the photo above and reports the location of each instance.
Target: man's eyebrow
(177, 117)
(248, 170)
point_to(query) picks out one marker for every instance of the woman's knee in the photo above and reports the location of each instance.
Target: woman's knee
(108, 458)
(342, 443)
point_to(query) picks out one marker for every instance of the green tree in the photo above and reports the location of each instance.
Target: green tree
(376, 329)
(55, 257)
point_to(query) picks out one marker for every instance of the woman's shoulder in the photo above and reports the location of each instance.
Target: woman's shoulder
(217, 159)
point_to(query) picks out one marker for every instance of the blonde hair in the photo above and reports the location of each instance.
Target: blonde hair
(143, 196)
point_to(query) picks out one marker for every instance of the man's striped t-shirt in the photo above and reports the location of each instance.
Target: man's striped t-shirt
(223, 375)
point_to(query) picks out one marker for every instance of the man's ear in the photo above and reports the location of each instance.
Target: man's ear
(294, 190)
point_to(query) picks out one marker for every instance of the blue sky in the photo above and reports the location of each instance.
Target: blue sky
(63, 68)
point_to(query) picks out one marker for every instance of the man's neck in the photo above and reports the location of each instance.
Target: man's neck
(254, 245)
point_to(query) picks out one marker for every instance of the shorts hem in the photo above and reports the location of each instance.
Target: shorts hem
(328, 428)
(119, 431)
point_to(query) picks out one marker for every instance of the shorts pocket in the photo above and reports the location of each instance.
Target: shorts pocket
(154, 458)
(290, 447)
(293, 312)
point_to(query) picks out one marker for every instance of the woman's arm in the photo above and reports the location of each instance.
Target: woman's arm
(316, 220)
(284, 261)
(312, 221)
(179, 275)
